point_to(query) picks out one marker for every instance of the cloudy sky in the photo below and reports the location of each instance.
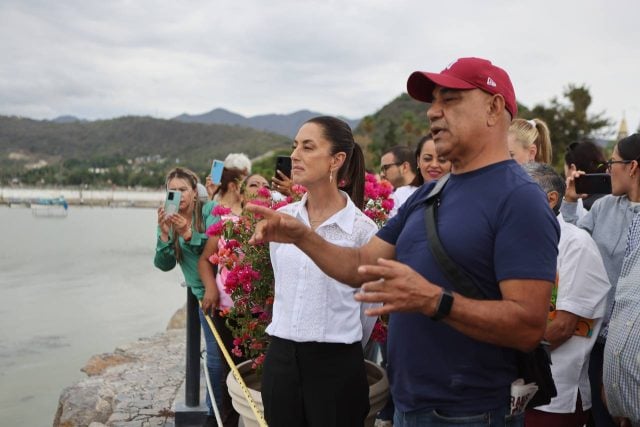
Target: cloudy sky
(103, 59)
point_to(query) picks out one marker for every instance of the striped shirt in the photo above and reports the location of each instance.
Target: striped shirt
(622, 350)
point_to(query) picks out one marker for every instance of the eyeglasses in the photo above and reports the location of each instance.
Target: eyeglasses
(610, 162)
(384, 168)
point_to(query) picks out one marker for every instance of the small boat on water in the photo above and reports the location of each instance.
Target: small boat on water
(54, 207)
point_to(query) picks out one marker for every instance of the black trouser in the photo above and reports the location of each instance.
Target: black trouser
(599, 415)
(229, 415)
(314, 384)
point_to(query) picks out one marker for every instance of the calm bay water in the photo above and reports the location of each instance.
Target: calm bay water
(71, 288)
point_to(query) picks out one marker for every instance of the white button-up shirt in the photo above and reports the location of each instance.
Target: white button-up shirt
(309, 305)
(583, 286)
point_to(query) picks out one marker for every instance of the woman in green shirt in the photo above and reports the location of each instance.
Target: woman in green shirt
(181, 239)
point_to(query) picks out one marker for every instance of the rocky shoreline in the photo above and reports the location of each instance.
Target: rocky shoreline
(135, 386)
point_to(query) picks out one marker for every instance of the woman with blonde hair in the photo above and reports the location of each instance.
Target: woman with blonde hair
(529, 141)
(181, 239)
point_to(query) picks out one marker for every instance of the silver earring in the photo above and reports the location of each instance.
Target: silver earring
(330, 177)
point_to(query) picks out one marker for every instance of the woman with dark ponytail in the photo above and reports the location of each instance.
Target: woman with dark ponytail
(608, 222)
(314, 372)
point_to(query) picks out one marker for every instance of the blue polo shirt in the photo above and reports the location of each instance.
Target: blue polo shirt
(496, 223)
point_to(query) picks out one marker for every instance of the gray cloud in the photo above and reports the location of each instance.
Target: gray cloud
(104, 59)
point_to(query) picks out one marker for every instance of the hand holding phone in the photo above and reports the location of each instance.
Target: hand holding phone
(172, 202)
(216, 171)
(283, 164)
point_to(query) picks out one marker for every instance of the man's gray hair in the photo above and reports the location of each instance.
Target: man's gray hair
(547, 178)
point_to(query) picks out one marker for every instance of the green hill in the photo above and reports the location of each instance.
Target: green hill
(401, 122)
(138, 151)
(32, 150)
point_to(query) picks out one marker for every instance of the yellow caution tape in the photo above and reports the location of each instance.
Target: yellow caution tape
(236, 374)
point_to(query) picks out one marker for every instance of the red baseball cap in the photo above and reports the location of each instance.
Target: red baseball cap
(465, 73)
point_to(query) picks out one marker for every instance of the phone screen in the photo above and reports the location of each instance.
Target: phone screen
(593, 183)
(283, 164)
(216, 171)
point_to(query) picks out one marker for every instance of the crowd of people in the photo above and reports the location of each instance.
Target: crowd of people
(551, 265)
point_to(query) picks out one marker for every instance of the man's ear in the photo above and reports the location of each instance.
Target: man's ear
(553, 197)
(405, 166)
(496, 109)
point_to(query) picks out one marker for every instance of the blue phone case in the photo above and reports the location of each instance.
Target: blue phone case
(216, 171)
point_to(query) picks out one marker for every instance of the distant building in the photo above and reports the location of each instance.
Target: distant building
(623, 131)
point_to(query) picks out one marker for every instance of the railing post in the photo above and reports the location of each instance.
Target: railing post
(192, 376)
(190, 412)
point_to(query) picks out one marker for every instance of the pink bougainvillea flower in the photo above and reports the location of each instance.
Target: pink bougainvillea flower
(220, 210)
(379, 333)
(259, 202)
(280, 204)
(387, 204)
(216, 229)
(236, 351)
(264, 192)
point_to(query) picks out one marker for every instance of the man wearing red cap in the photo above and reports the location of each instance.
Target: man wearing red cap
(451, 359)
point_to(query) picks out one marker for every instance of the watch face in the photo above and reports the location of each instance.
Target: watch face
(444, 305)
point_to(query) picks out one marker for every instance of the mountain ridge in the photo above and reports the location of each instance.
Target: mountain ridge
(283, 124)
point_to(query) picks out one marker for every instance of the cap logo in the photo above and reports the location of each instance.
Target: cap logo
(491, 83)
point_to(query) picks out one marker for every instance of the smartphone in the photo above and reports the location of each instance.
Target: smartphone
(283, 164)
(593, 183)
(172, 203)
(216, 171)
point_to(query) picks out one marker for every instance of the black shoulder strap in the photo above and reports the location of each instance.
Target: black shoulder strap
(459, 279)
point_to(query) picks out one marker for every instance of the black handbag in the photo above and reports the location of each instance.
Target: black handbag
(534, 366)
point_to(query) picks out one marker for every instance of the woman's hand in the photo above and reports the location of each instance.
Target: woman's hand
(210, 300)
(282, 184)
(211, 187)
(570, 195)
(165, 225)
(182, 226)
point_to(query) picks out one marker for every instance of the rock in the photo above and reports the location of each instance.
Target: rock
(98, 363)
(135, 385)
(179, 319)
(84, 403)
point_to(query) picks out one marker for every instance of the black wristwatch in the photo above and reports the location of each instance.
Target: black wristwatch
(444, 305)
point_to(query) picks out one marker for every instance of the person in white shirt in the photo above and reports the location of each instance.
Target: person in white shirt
(581, 292)
(314, 371)
(398, 166)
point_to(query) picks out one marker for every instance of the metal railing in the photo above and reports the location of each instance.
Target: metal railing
(192, 375)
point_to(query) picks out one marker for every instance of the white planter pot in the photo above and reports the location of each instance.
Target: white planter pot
(378, 392)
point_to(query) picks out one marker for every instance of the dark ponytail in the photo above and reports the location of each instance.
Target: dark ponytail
(352, 171)
(353, 175)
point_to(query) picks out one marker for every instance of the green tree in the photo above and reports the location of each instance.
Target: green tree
(568, 120)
